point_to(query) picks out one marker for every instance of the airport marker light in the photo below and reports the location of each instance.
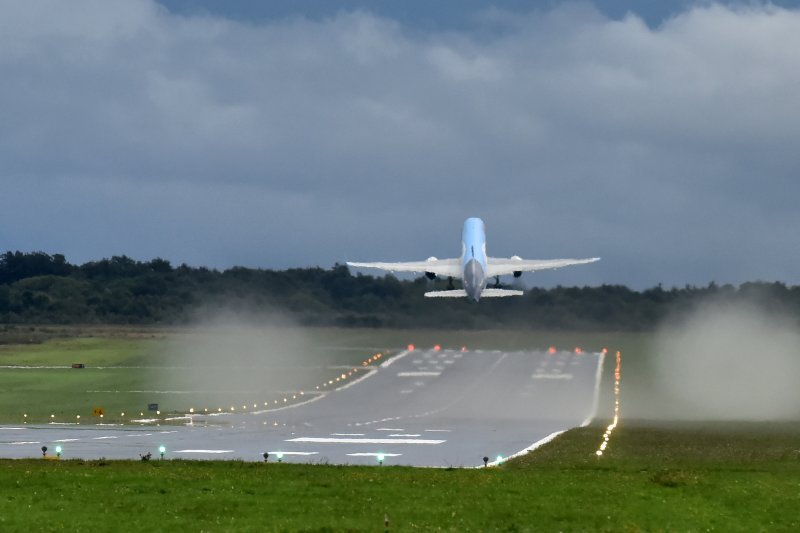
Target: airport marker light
(613, 425)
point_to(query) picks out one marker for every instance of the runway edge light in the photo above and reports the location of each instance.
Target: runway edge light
(162, 450)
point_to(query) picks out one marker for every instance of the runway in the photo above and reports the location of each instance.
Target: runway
(434, 408)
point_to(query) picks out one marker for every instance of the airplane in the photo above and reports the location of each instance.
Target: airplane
(474, 267)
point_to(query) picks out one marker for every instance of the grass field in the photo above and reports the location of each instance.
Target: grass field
(723, 478)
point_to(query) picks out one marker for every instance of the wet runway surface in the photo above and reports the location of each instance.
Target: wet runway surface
(434, 408)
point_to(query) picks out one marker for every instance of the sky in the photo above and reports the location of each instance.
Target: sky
(292, 134)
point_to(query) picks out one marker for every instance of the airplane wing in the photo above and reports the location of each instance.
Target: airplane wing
(441, 267)
(496, 266)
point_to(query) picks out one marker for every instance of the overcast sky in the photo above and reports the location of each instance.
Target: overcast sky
(314, 132)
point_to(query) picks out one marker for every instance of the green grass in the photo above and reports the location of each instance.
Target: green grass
(725, 478)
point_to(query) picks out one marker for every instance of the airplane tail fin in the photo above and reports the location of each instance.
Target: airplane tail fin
(499, 293)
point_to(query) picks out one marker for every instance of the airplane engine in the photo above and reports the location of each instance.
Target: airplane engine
(431, 275)
(517, 273)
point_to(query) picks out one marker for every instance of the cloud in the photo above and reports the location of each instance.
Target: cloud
(666, 150)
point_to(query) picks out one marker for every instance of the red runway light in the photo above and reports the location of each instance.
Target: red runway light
(552, 349)
(578, 351)
(437, 348)
(463, 348)
(605, 350)
(410, 347)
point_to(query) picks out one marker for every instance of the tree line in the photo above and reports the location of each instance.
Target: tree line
(38, 288)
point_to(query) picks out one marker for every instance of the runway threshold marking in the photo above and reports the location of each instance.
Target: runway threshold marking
(328, 440)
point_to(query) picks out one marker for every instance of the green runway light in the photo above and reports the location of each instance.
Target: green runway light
(380, 458)
(279, 455)
(499, 459)
(58, 451)
(162, 450)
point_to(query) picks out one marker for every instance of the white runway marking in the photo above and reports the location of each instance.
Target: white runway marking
(326, 440)
(416, 374)
(203, 451)
(103, 438)
(405, 435)
(26, 442)
(65, 440)
(439, 430)
(551, 376)
(371, 454)
(14, 429)
(389, 429)
(295, 453)
(347, 434)
(406, 391)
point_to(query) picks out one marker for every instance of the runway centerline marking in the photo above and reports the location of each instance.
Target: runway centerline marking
(347, 434)
(102, 438)
(65, 440)
(390, 429)
(405, 435)
(26, 442)
(328, 440)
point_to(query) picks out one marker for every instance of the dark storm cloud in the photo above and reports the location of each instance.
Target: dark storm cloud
(669, 151)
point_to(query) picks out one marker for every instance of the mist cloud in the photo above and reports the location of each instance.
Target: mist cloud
(726, 362)
(669, 151)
